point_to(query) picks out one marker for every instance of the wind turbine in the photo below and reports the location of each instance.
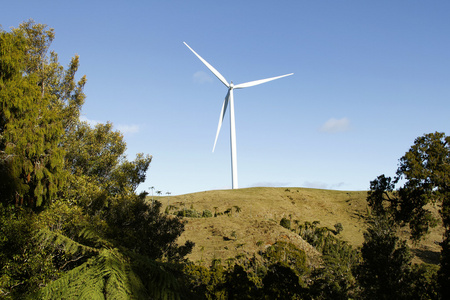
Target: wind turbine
(229, 99)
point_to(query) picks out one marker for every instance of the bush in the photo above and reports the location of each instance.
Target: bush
(338, 228)
(286, 223)
(207, 214)
(188, 213)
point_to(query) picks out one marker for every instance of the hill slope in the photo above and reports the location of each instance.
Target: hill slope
(255, 213)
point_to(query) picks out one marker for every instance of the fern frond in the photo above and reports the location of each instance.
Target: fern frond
(158, 278)
(109, 273)
(78, 283)
(114, 268)
(48, 238)
(89, 234)
(105, 276)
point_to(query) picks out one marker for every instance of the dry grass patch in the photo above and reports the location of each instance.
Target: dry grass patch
(253, 222)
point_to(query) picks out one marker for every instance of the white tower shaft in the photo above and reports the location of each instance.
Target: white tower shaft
(234, 174)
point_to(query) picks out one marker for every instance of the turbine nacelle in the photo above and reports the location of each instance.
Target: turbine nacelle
(229, 99)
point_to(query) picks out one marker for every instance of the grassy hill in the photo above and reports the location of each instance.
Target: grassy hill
(255, 213)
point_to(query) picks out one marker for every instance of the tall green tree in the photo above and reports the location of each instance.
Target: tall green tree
(39, 100)
(386, 262)
(425, 170)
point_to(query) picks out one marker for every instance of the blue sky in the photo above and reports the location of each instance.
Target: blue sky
(370, 77)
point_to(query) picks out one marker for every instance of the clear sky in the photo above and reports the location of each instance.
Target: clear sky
(370, 77)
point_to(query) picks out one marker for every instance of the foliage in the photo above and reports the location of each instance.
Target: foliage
(386, 262)
(281, 282)
(319, 237)
(24, 265)
(335, 278)
(286, 223)
(109, 176)
(38, 101)
(238, 285)
(444, 271)
(207, 214)
(107, 272)
(140, 227)
(424, 282)
(206, 283)
(425, 168)
(71, 223)
(288, 254)
(338, 228)
(189, 213)
(279, 271)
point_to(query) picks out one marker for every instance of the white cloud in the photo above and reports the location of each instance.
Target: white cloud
(90, 122)
(316, 185)
(322, 185)
(126, 129)
(336, 125)
(202, 77)
(269, 184)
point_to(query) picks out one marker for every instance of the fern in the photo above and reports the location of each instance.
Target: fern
(105, 276)
(53, 239)
(158, 278)
(108, 274)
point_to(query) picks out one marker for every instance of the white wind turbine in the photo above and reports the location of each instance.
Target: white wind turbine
(230, 99)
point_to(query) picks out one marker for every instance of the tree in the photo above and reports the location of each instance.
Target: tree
(238, 285)
(335, 278)
(152, 188)
(425, 168)
(24, 264)
(288, 254)
(385, 270)
(39, 101)
(281, 282)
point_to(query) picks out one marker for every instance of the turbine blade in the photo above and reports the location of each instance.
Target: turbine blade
(222, 115)
(256, 82)
(211, 68)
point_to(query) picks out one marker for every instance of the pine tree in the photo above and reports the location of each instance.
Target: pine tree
(386, 262)
(38, 102)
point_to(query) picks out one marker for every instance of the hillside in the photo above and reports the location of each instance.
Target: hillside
(253, 222)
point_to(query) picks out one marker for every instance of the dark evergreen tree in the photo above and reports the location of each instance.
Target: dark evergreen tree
(38, 99)
(425, 168)
(386, 262)
(238, 286)
(281, 282)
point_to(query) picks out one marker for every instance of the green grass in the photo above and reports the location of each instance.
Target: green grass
(257, 224)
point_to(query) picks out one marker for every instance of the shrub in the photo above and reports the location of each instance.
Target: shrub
(188, 213)
(338, 227)
(207, 214)
(286, 223)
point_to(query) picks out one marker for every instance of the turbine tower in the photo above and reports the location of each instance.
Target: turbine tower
(229, 99)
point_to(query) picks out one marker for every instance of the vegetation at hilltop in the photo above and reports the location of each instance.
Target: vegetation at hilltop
(72, 225)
